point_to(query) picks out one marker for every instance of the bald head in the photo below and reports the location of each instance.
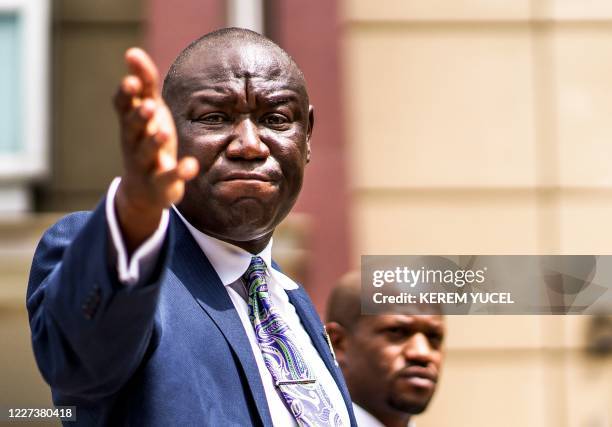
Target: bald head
(344, 305)
(244, 42)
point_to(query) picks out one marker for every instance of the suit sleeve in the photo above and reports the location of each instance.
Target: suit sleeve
(89, 331)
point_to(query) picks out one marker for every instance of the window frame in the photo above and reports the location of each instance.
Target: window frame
(31, 159)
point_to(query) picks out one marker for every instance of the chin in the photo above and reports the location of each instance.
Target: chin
(409, 405)
(243, 225)
(231, 192)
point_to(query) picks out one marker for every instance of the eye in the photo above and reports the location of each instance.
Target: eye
(275, 120)
(213, 118)
(395, 332)
(435, 339)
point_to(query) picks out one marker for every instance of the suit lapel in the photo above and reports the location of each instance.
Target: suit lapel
(197, 274)
(312, 324)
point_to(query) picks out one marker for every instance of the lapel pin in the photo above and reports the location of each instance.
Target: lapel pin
(329, 344)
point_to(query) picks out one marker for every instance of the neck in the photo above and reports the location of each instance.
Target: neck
(397, 421)
(252, 246)
(389, 418)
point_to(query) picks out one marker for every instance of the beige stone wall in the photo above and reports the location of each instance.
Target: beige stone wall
(479, 126)
(21, 384)
(88, 41)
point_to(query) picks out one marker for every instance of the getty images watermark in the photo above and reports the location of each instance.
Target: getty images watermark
(486, 284)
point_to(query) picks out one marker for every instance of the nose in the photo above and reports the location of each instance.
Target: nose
(246, 143)
(418, 349)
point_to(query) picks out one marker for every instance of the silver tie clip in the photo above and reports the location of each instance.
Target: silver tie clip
(298, 381)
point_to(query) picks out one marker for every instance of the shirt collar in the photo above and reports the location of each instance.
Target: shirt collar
(229, 261)
(365, 419)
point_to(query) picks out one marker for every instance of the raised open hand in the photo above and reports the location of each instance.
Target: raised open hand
(153, 177)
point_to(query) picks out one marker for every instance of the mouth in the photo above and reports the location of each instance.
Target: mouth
(419, 377)
(246, 176)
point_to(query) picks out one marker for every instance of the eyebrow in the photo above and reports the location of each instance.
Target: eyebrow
(216, 97)
(283, 98)
(212, 96)
(435, 326)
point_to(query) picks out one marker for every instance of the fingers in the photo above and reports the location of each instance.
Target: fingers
(142, 83)
(149, 137)
(137, 100)
(129, 90)
(142, 66)
(136, 121)
(147, 154)
(188, 168)
(172, 181)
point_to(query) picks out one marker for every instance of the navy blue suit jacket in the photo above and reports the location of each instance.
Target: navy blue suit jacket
(170, 352)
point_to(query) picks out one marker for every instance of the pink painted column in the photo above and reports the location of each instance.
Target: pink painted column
(310, 32)
(171, 26)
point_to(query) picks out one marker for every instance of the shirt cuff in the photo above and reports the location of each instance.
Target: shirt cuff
(144, 258)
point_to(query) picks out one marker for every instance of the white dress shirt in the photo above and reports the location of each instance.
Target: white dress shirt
(365, 419)
(230, 263)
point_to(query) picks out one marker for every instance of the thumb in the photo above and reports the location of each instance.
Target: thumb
(188, 168)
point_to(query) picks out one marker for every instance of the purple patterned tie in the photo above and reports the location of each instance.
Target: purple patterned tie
(302, 393)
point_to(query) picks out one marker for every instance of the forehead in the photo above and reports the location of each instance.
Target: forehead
(403, 320)
(229, 66)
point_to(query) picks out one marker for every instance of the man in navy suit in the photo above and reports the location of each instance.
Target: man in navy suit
(145, 311)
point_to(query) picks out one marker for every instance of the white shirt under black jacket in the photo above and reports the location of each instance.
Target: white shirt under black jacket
(231, 262)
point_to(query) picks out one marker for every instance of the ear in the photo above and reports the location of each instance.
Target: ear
(309, 131)
(338, 336)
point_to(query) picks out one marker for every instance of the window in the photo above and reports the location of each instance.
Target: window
(24, 37)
